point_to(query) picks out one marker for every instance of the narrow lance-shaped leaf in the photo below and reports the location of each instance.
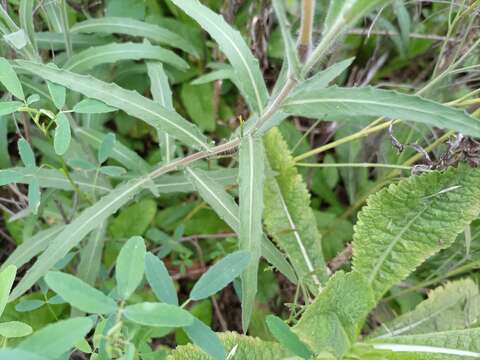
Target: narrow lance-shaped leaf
(7, 276)
(224, 205)
(130, 266)
(26, 153)
(79, 294)
(132, 27)
(9, 79)
(287, 337)
(248, 74)
(26, 12)
(395, 232)
(91, 255)
(251, 176)
(74, 232)
(202, 336)
(34, 195)
(163, 95)
(90, 106)
(220, 275)
(288, 43)
(336, 101)
(106, 54)
(288, 216)
(129, 101)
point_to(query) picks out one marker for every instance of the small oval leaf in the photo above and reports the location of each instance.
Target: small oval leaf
(26, 153)
(63, 135)
(91, 106)
(158, 315)
(106, 147)
(14, 329)
(9, 79)
(220, 275)
(79, 294)
(130, 266)
(202, 336)
(160, 280)
(285, 336)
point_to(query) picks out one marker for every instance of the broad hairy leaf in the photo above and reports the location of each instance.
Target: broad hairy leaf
(79, 294)
(406, 223)
(368, 101)
(158, 314)
(55, 339)
(251, 178)
(160, 280)
(129, 101)
(287, 214)
(220, 275)
(334, 320)
(9, 79)
(130, 266)
(454, 306)
(86, 60)
(132, 27)
(243, 347)
(459, 343)
(247, 71)
(215, 195)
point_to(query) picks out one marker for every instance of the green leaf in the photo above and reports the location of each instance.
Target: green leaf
(114, 171)
(224, 205)
(79, 294)
(160, 280)
(132, 27)
(63, 135)
(251, 178)
(248, 74)
(26, 153)
(91, 106)
(203, 337)
(162, 94)
(74, 232)
(461, 343)
(119, 152)
(55, 339)
(14, 329)
(399, 227)
(7, 277)
(9, 177)
(129, 101)
(220, 275)
(34, 195)
(8, 107)
(287, 214)
(17, 354)
(197, 100)
(106, 147)
(91, 255)
(368, 101)
(130, 266)
(9, 79)
(26, 12)
(134, 219)
(288, 43)
(57, 92)
(158, 315)
(17, 39)
(454, 306)
(286, 337)
(86, 60)
(339, 309)
(246, 348)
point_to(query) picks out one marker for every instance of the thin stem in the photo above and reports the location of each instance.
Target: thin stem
(306, 29)
(354, 165)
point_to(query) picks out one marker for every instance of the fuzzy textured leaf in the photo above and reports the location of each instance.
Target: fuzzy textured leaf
(248, 348)
(288, 216)
(403, 225)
